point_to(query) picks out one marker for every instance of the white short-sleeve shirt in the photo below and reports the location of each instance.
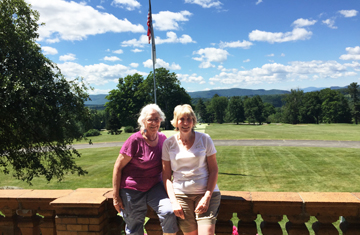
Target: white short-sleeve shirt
(190, 170)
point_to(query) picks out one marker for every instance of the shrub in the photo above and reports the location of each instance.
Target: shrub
(92, 132)
(129, 129)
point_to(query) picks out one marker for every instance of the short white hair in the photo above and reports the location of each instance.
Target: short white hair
(146, 110)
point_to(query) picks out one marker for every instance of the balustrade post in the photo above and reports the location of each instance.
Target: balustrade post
(351, 225)
(28, 222)
(296, 224)
(324, 225)
(273, 206)
(47, 222)
(8, 225)
(239, 203)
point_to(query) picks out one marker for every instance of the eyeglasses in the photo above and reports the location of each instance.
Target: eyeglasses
(156, 120)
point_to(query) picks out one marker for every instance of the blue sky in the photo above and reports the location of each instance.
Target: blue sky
(209, 44)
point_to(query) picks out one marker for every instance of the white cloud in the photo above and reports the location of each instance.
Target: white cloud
(247, 60)
(53, 40)
(210, 54)
(98, 74)
(258, 2)
(67, 57)
(136, 50)
(205, 3)
(271, 55)
(49, 50)
(100, 7)
(111, 58)
(134, 65)
(330, 23)
(296, 34)
(274, 72)
(282, 54)
(166, 20)
(244, 44)
(303, 23)
(353, 53)
(129, 5)
(193, 78)
(171, 38)
(348, 13)
(118, 51)
(161, 63)
(75, 21)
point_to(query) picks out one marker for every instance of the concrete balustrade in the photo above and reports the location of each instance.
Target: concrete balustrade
(90, 211)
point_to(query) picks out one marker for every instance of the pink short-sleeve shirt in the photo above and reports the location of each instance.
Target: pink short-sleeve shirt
(144, 169)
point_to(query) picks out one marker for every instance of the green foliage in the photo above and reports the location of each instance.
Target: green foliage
(92, 132)
(254, 110)
(354, 92)
(293, 102)
(129, 129)
(126, 101)
(335, 108)
(113, 123)
(169, 93)
(200, 109)
(40, 110)
(236, 109)
(218, 105)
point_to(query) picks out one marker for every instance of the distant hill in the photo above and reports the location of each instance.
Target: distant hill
(101, 100)
(97, 100)
(235, 92)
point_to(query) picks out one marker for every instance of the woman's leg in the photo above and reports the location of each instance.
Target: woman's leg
(157, 199)
(206, 229)
(135, 210)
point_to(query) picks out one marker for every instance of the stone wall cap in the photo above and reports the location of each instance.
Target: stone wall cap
(329, 197)
(235, 195)
(82, 197)
(275, 197)
(45, 194)
(13, 193)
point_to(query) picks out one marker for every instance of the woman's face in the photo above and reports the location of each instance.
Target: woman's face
(152, 121)
(185, 123)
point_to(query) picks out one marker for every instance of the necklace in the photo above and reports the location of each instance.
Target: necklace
(151, 139)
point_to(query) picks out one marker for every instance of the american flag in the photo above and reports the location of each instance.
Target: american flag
(149, 23)
(150, 34)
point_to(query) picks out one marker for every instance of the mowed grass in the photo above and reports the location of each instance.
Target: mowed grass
(342, 132)
(241, 168)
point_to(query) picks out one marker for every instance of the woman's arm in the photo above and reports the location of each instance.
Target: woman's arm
(120, 163)
(213, 176)
(166, 175)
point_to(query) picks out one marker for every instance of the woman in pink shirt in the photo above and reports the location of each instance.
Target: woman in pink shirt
(137, 180)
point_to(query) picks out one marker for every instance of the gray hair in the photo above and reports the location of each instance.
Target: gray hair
(146, 110)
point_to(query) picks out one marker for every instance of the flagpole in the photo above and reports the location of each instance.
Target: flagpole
(153, 49)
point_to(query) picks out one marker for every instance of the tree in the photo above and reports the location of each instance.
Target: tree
(310, 111)
(269, 109)
(201, 110)
(293, 103)
(169, 93)
(354, 92)
(236, 109)
(254, 109)
(127, 100)
(335, 108)
(40, 111)
(218, 106)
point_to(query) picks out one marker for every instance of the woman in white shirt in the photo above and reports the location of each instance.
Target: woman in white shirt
(191, 158)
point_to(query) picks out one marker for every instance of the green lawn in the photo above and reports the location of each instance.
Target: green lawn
(241, 168)
(285, 131)
(343, 132)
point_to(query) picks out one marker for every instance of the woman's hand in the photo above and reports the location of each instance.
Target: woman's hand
(178, 211)
(203, 205)
(117, 202)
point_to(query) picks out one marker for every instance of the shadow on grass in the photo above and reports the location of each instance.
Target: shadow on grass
(220, 173)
